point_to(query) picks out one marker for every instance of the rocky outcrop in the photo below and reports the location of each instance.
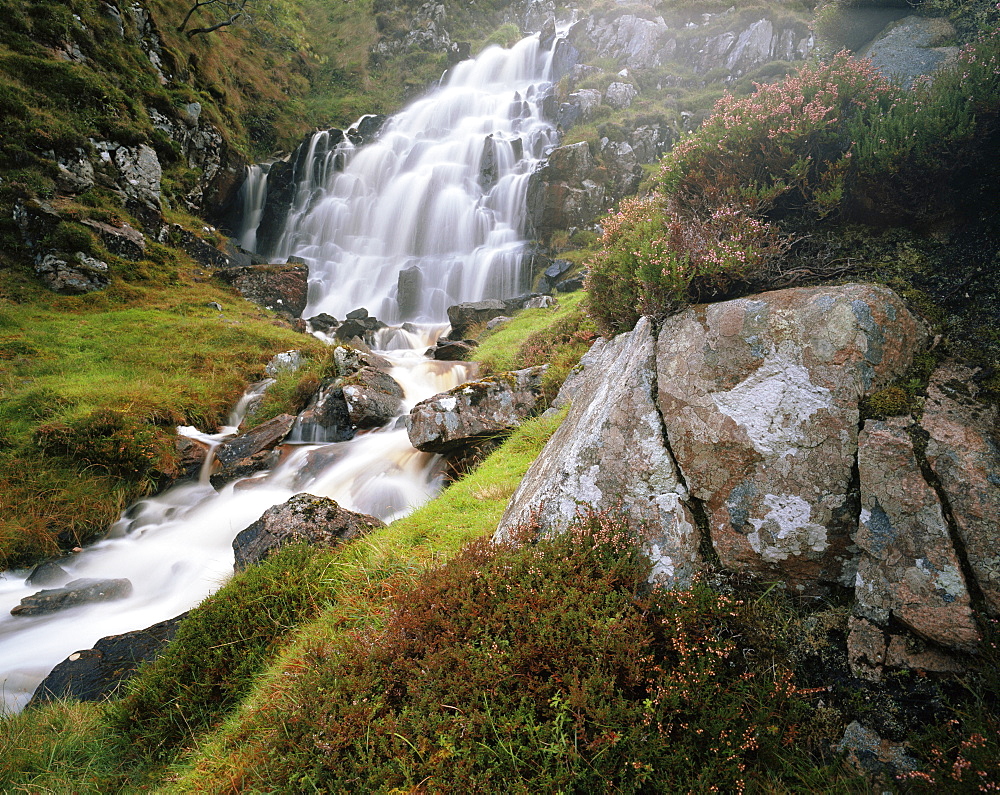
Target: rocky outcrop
(562, 194)
(760, 401)
(73, 275)
(98, 673)
(476, 411)
(304, 518)
(908, 570)
(72, 594)
(964, 454)
(122, 241)
(204, 149)
(281, 288)
(611, 453)
(463, 317)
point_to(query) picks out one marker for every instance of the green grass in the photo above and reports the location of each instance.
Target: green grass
(91, 388)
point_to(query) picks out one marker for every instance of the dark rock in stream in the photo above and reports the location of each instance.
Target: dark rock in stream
(372, 397)
(77, 592)
(95, 674)
(304, 518)
(251, 451)
(47, 573)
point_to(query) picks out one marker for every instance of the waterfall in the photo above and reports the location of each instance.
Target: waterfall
(432, 212)
(253, 197)
(436, 206)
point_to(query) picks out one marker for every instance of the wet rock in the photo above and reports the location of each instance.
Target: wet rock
(372, 397)
(48, 573)
(261, 439)
(609, 453)
(964, 454)
(409, 286)
(98, 673)
(463, 316)
(74, 593)
(304, 518)
(760, 401)
(454, 350)
(324, 322)
(909, 570)
(912, 47)
(475, 411)
(564, 193)
(74, 275)
(554, 271)
(122, 241)
(191, 455)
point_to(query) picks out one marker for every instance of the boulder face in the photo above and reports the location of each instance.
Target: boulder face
(611, 452)
(963, 452)
(95, 674)
(304, 518)
(760, 401)
(473, 412)
(908, 568)
(911, 47)
(373, 398)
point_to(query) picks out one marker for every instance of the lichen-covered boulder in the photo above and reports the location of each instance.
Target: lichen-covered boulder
(74, 275)
(372, 397)
(963, 452)
(304, 518)
(611, 453)
(759, 397)
(909, 570)
(475, 411)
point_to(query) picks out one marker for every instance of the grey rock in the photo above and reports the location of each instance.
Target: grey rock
(287, 362)
(869, 752)
(409, 286)
(281, 288)
(261, 439)
(912, 47)
(611, 453)
(122, 241)
(73, 594)
(304, 518)
(75, 276)
(372, 397)
(473, 412)
(76, 173)
(620, 95)
(139, 175)
(48, 573)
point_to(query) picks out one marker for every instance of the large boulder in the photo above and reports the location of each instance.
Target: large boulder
(964, 453)
(611, 453)
(96, 674)
(74, 593)
(73, 275)
(475, 411)
(760, 401)
(567, 192)
(304, 518)
(122, 241)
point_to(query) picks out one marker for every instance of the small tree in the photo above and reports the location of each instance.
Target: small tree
(223, 12)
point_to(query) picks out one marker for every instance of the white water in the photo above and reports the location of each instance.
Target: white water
(414, 197)
(253, 196)
(411, 199)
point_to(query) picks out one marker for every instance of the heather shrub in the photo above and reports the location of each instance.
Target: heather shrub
(543, 665)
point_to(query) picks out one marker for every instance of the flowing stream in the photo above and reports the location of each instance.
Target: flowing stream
(430, 214)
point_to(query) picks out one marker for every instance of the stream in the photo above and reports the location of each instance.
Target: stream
(430, 214)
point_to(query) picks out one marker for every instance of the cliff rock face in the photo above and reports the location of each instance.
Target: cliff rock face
(746, 414)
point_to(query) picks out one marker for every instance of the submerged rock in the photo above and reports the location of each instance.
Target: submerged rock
(96, 674)
(74, 593)
(304, 518)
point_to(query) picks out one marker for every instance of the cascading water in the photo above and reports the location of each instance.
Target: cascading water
(440, 196)
(432, 213)
(253, 197)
